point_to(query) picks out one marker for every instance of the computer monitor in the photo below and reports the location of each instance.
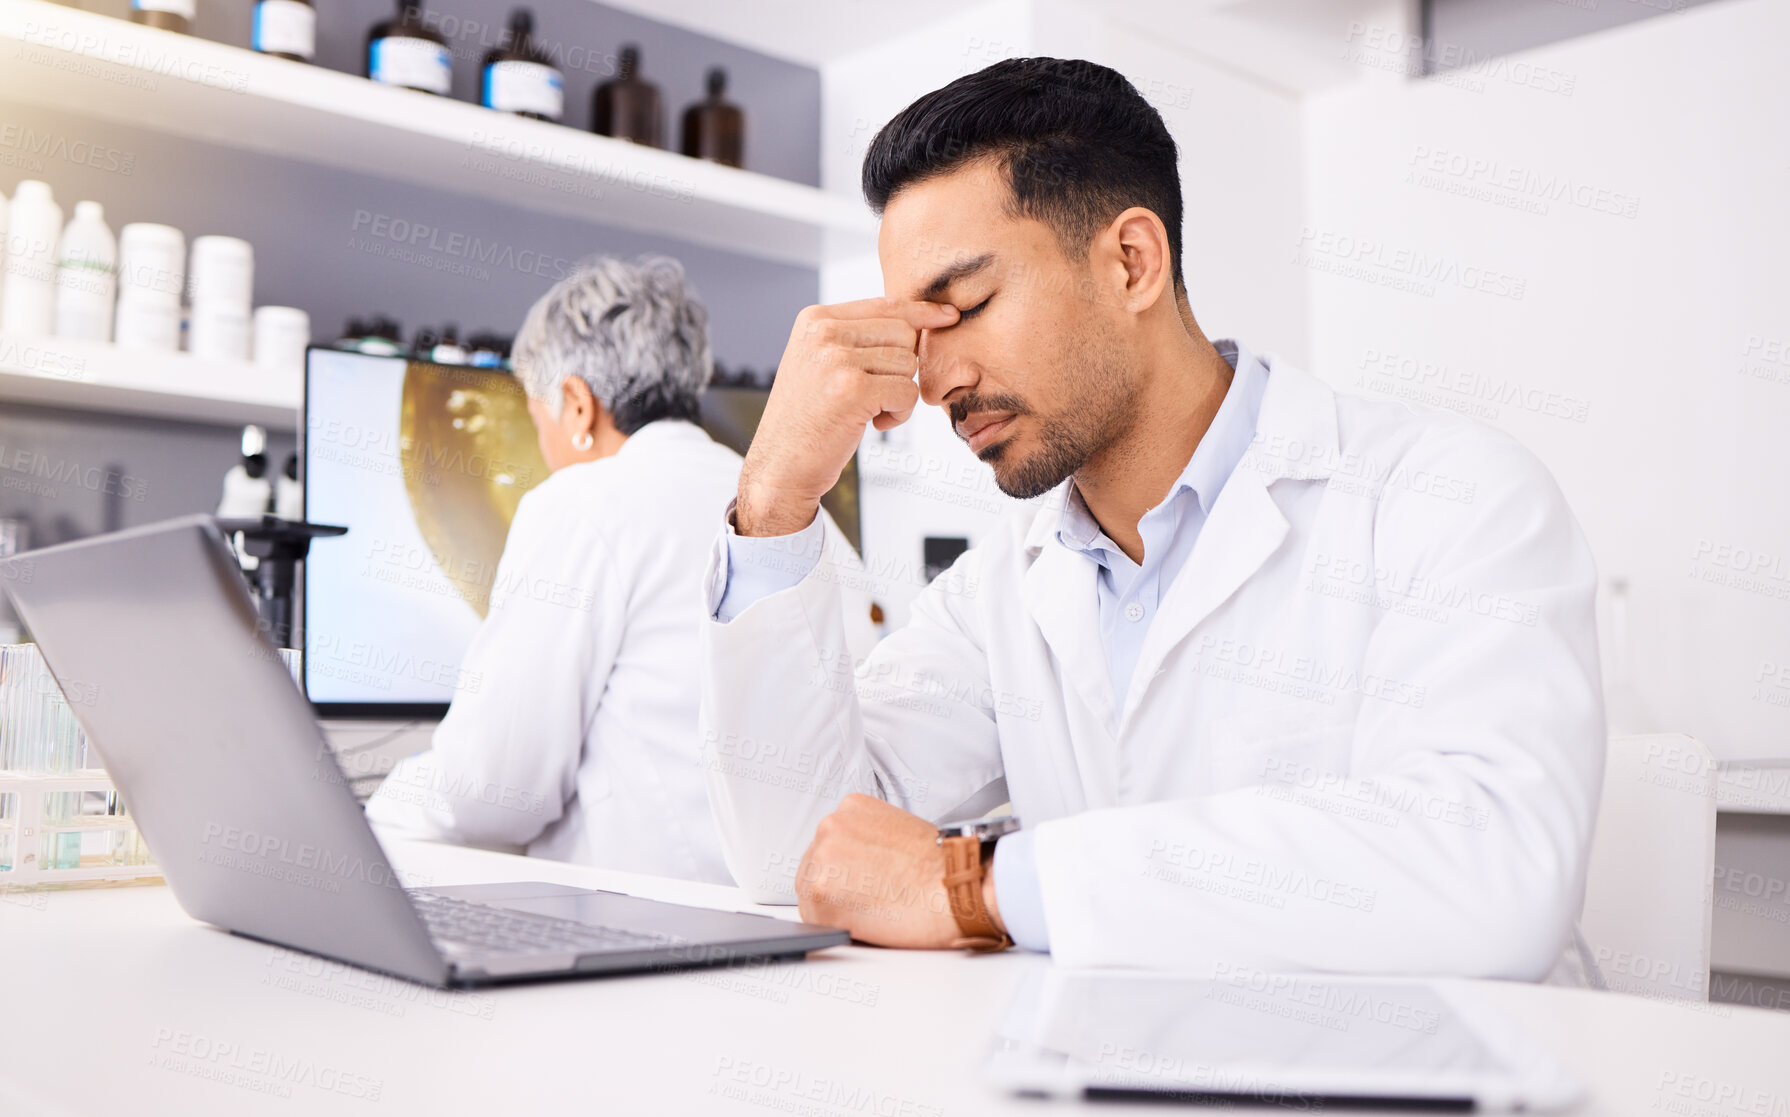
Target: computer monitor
(425, 465)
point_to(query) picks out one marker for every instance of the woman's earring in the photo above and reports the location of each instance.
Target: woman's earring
(582, 441)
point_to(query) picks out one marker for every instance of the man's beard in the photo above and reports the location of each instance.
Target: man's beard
(1106, 410)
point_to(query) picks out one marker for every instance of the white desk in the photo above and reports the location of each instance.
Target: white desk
(117, 1003)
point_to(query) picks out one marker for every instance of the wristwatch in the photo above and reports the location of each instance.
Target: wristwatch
(969, 851)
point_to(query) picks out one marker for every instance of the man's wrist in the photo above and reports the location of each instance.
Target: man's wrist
(760, 511)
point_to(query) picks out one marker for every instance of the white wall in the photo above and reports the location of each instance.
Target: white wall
(918, 479)
(1654, 306)
(1243, 191)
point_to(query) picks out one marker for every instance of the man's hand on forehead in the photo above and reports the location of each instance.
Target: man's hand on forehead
(846, 365)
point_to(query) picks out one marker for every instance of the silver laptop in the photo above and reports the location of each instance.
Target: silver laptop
(217, 755)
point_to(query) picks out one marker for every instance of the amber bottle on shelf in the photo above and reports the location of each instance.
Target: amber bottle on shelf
(627, 106)
(405, 51)
(517, 77)
(714, 129)
(169, 15)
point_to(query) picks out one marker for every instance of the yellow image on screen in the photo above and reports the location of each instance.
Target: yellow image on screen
(469, 453)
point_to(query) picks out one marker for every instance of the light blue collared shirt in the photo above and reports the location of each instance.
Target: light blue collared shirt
(1129, 592)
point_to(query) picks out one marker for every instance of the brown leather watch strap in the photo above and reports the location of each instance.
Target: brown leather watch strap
(964, 870)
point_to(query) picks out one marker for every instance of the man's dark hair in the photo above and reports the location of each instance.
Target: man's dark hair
(1078, 142)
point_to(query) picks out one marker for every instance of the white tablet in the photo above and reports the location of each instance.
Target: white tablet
(1305, 1043)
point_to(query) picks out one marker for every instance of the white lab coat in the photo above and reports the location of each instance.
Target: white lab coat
(574, 731)
(1365, 731)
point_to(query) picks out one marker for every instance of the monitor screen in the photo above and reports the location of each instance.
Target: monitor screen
(425, 465)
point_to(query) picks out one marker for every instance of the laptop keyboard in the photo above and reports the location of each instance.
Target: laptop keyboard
(509, 931)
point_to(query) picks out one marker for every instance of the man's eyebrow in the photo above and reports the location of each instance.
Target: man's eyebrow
(960, 270)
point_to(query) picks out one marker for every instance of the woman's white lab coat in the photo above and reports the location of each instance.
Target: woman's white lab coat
(1365, 732)
(574, 729)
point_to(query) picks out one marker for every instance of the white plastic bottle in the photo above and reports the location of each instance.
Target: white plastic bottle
(151, 275)
(221, 282)
(86, 276)
(36, 226)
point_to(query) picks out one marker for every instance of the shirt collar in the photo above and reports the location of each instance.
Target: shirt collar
(653, 432)
(1213, 461)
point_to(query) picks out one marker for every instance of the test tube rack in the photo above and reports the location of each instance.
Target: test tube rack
(41, 845)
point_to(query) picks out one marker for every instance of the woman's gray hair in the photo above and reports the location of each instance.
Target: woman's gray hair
(635, 332)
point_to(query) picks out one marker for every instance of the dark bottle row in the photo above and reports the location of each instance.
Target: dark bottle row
(515, 77)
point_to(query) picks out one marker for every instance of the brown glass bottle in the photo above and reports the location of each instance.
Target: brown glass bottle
(627, 107)
(285, 29)
(406, 51)
(169, 15)
(714, 129)
(518, 78)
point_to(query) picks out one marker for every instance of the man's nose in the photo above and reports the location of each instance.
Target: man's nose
(943, 368)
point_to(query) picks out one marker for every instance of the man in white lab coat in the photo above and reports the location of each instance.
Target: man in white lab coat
(1273, 676)
(574, 730)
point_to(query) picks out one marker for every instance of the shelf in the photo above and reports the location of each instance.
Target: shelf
(75, 61)
(90, 376)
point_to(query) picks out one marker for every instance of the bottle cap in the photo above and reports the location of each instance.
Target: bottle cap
(282, 317)
(89, 211)
(34, 190)
(147, 235)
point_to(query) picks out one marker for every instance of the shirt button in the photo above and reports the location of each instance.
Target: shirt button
(1134, 612)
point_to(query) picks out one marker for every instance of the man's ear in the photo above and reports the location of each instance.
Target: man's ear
(1142, 242)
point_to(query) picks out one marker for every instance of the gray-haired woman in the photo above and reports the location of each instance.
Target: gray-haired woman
(574, 729)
